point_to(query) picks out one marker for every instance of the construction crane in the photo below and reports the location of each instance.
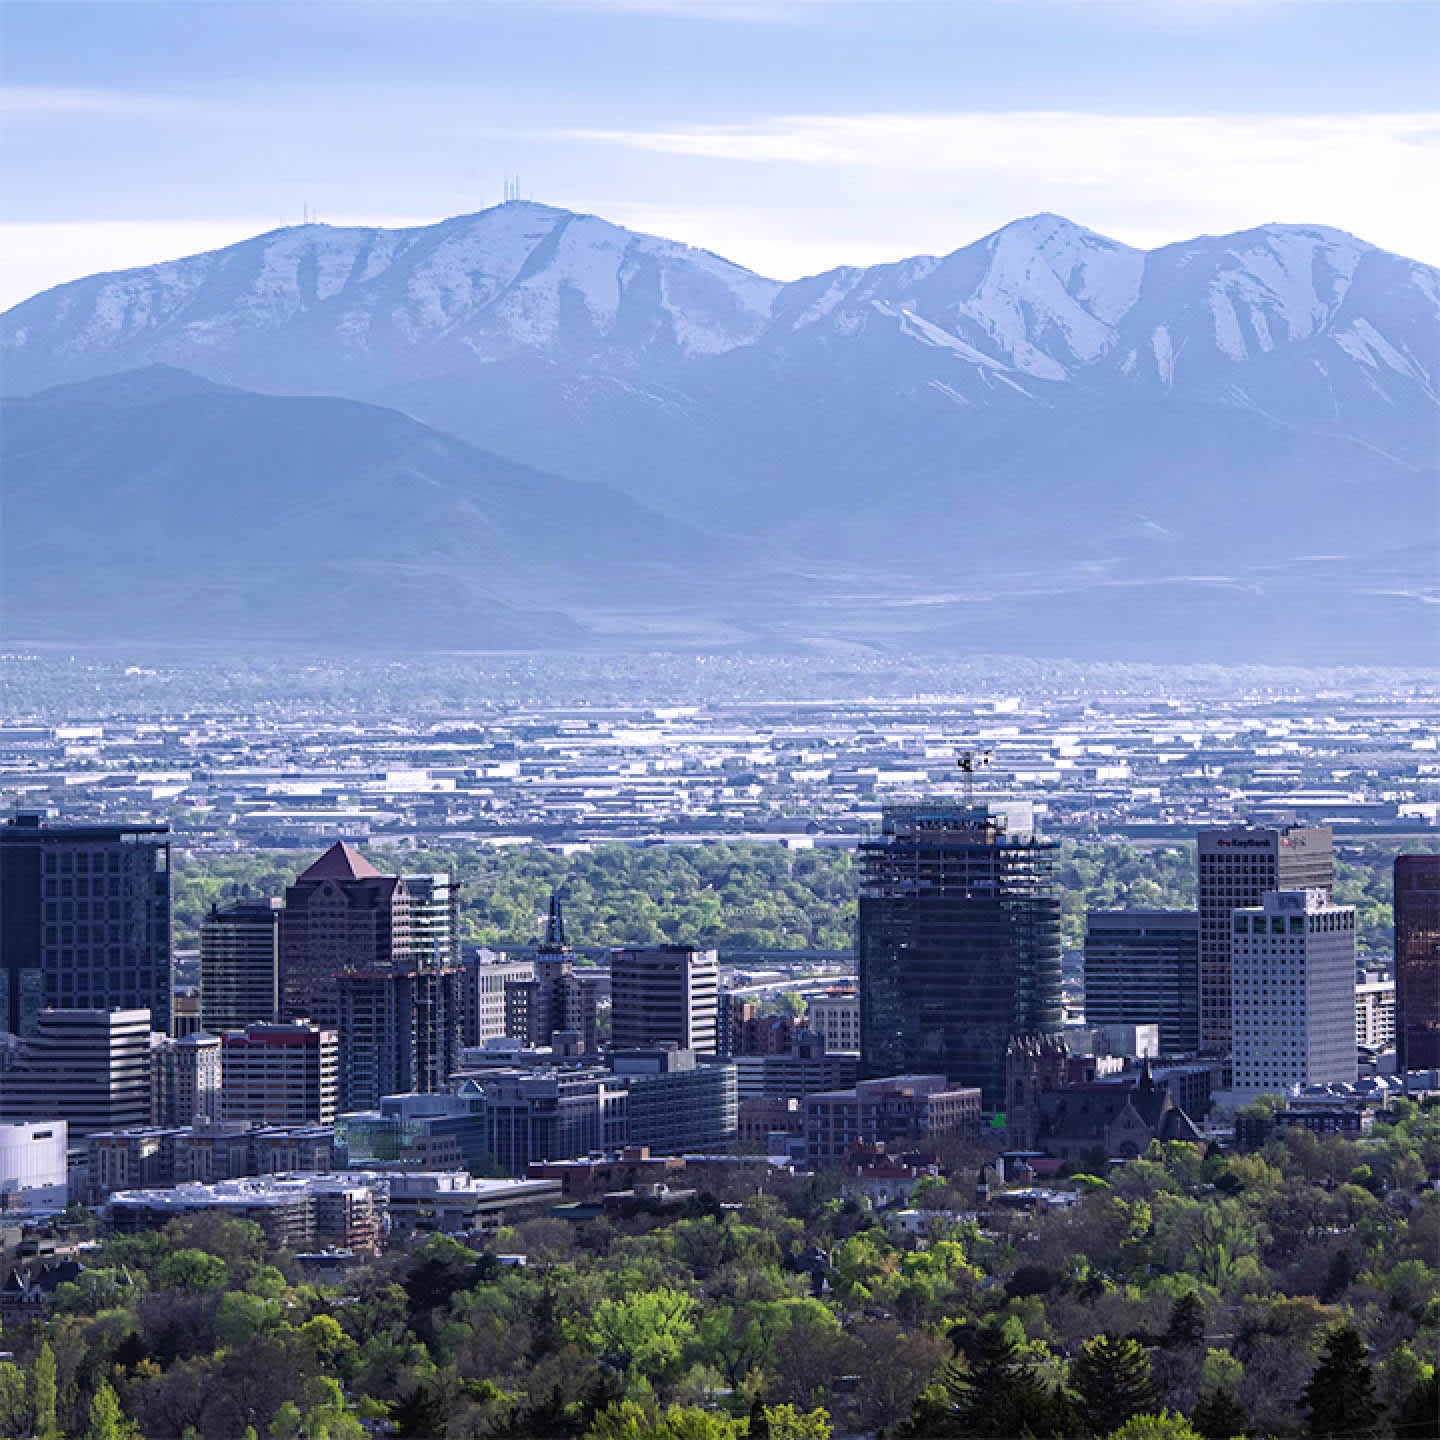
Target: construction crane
(969, 762)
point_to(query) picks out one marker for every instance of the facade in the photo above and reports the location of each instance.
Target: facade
(185, 1078)
(805, 1067)
(434, 921)
(892, 1111)
(399, 1031)
(1417, 962)
(240, 965)
(551, 1115)
(90, 1068)
(1374, 1008)
(341, 914)
(676, 1104)
(836, 1019)
(32, 1165)
(1293, 993)
(296, 1212)
(282, 1074)
(84, 920)
(665, 994)
(454, 1204)
(959, 943)
(489, 974)
(1238, 867)
(416, 1132)
(1143, 967)
(554, 1000)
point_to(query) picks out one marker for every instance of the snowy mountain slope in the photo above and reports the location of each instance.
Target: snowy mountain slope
(367, 304)
(1043, 402)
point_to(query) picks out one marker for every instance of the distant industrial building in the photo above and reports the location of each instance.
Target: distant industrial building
(1417, 961)
(85, 920)
(959, 943)
(1293, 992)
(664, 994)
(240, 965)
(1238, 867)
(1143, 967)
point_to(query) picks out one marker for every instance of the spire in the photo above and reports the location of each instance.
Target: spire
(555, 926)
(1147, 1078)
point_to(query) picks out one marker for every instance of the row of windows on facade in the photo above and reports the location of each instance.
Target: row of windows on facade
(1294, 924)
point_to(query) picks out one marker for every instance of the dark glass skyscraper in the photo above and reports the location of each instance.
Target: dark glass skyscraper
(959, 944)
(1417, 961)
(84, 920)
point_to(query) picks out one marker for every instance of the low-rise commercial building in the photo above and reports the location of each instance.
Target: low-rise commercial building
(887, 1111)
(675, 1103)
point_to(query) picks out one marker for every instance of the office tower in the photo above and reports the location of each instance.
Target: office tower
(285, 1074)
(1142, 967)
(1238, 867)
(399, 1032)
(1292, 980)
(556, 999)
(959, 943)
(551, 1115)
(677, 1105)
(340, 914)
(434, 921)
(1374, 1008)
(240, 965)
(836, 1019)
(90, 1068)
(664, 994)
(488, 975)
(185, 1079)
(1417, 962)
(84, 920)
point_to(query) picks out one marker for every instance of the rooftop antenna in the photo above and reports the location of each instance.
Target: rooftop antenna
(969, 762)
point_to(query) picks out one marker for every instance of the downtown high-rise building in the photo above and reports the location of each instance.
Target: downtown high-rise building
(664, 994)
(959, 943)
(1142, 967)
(284, 1074)
(240, 965)
(1238, 867)
(1292, 981)
(84, 920)
(551, 999)
(90, 1068)
(341, 914)
(1417, 962)
(434, 920)
(400, 1032)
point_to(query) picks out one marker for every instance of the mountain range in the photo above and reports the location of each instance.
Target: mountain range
(528, 426)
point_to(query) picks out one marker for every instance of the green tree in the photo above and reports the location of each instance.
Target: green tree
(1165, 1426)
(785, 1422)
(990, 1390)
(1340, 1398)
(43, 1394)
(645, 1332)
(1186, 1330)
(1218, 1415)
(107, 1420)
(14, 1401)
(192, 1270)
(1111, 1379)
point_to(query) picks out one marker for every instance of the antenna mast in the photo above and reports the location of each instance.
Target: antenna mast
(969, 762)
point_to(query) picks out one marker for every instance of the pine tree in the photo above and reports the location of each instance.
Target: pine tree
(1111, 1378)
(1218, 1415)
(1186, 1330)
(1340, 1398)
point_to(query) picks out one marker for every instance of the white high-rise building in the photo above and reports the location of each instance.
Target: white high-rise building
(1292, 980)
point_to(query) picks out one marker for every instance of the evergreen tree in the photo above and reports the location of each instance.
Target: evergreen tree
(1340, 1398)
(1416, 1415)
(1186, 1330)
(990, 1390)
(1218, 1415)
(1111, 1378)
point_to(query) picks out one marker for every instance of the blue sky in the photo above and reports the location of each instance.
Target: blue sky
(789, 135)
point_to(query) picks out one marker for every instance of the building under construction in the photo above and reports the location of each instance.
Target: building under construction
(959, 943)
